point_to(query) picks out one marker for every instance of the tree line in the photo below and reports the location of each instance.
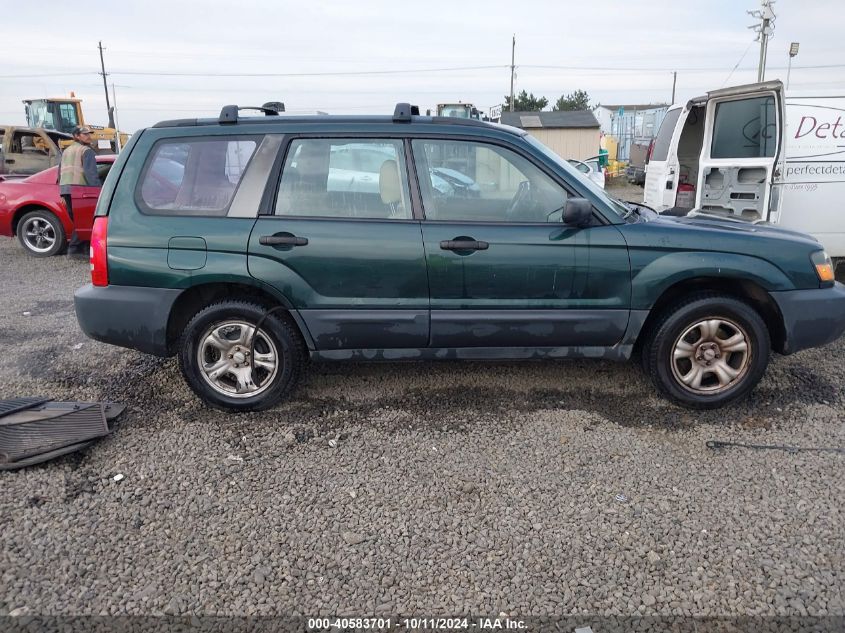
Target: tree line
(524, 102)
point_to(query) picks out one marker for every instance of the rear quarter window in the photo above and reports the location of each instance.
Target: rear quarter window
(194, 176)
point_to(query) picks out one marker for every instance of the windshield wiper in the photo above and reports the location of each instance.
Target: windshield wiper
(631, 209)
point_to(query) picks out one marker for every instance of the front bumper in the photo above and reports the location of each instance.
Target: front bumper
(811, 318)
(6, 228)
(128, 316)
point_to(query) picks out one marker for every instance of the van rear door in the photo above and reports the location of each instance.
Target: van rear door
(743, 139)
(661, 172)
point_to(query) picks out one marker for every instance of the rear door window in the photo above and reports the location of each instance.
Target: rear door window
(194, 176)
(745, 128)
(664, 136)
(345, 178)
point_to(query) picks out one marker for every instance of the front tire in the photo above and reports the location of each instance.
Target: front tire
(707, 352)
(217, 363)
(41, 233)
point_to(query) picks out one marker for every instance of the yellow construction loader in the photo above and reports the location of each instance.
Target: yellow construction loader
(65, 113)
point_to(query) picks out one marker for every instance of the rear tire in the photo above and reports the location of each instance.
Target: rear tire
(215, 358)
(708, 351)
(41, 233)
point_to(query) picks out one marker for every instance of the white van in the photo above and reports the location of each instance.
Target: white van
(752, 154)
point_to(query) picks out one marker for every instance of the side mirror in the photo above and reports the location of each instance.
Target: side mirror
(577, 212)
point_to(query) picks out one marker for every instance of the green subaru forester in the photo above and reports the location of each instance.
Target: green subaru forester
(249, 245)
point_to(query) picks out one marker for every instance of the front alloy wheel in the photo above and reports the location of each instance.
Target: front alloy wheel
(707, 351)
(711, 356)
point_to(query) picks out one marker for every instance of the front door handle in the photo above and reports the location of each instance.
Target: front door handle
(10, 160)
(464, 245)
(282, 240)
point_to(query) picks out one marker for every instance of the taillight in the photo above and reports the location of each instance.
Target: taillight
(99, 254)
(650, 151)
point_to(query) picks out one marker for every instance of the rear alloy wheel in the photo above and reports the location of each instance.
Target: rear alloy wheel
(228, 365)
(41, 233)
(709, 351)
(222, 368)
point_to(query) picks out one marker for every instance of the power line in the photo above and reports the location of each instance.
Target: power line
(669, 70)
(61, 74)
(407, 71)
(314, 74)
(737, 64)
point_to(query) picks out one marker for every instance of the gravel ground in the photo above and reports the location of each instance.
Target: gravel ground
(624, 190)
(423, 489)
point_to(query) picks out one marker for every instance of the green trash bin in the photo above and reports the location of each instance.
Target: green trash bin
(603, 157)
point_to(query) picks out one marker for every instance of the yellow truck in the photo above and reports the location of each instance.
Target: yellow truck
(65, 113)
(459, 110)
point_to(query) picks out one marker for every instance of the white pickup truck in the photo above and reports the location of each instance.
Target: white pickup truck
(756, 154)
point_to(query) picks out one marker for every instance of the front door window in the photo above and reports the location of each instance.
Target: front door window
(67, 114)
(463, 181)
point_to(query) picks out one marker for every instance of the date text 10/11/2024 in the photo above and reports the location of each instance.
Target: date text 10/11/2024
(389, 624)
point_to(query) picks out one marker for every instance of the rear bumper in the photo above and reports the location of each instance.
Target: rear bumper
(811, 318)
(127, 316)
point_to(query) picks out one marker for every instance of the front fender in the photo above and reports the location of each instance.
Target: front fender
(650, 279)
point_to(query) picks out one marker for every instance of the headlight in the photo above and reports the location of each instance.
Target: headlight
(823, 265)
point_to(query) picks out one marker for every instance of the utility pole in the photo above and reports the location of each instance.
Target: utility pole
(106, 87)
(513, 54)
(674, 81)
(117, 146)
(764, 30)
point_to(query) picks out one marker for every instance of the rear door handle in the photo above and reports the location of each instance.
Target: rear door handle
(282, 240)
(464, 245)
(10, 160)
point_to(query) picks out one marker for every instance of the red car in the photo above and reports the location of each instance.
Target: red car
(32, 209)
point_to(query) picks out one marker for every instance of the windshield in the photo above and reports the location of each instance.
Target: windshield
(37, 115)
(51, 115)
(456, 110)
(621, 210)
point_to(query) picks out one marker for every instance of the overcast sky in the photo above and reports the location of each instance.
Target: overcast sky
(183, 58)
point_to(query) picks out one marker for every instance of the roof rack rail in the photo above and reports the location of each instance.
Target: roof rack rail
(229, 113)
(403, 112)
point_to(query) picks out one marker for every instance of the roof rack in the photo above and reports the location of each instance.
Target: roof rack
(229, 113)
(403, 112)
